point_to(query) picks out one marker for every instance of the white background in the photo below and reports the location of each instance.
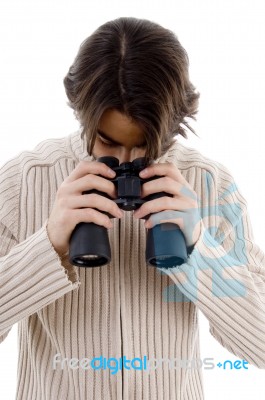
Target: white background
(225, 41)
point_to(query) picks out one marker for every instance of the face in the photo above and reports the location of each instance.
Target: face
(119, 137)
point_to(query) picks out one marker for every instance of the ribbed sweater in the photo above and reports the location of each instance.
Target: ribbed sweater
(125, 308)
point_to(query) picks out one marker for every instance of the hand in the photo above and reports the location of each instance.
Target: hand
(72, 207)
(181, 209)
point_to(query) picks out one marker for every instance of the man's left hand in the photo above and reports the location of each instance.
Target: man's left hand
(181, 209)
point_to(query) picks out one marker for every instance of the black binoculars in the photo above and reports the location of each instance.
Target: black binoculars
(89, 243)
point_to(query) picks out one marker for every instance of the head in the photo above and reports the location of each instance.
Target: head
(130, 80)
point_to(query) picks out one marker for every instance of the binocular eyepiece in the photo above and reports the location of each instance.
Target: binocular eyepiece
(89, 243)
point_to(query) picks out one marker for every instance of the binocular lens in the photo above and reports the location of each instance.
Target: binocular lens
(89, 260)
(90, 257)
(166, 261)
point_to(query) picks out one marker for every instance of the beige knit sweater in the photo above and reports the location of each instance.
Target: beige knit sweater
(126, 308)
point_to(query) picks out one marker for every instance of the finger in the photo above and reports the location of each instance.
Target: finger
(89, 182)
(95, 201)
(91, 215)
(168, 185)
(89, 167)
(174, 217)
(164, 203)
(164, 169)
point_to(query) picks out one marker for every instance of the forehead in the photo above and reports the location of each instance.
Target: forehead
(120, 128)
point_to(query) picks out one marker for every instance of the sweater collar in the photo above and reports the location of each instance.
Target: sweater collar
(78, 146)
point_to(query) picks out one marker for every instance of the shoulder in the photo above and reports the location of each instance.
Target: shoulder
(47, 152)
(194, 162)
(12, 173)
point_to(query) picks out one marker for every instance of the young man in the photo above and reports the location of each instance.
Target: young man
(130, 89)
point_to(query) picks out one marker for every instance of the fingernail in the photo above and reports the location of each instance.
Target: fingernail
(111, 172)
(143, 172)
(147, 224)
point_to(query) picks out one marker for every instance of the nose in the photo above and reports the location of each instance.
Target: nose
(125, 155)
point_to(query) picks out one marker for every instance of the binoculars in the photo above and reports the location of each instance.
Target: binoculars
(89, 243)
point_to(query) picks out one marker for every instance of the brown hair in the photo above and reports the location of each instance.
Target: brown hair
(140, 69)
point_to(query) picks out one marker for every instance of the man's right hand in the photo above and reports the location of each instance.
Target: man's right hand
(72, 207)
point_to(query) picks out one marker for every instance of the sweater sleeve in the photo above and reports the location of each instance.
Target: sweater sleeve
(225, 277)
(32, 275)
